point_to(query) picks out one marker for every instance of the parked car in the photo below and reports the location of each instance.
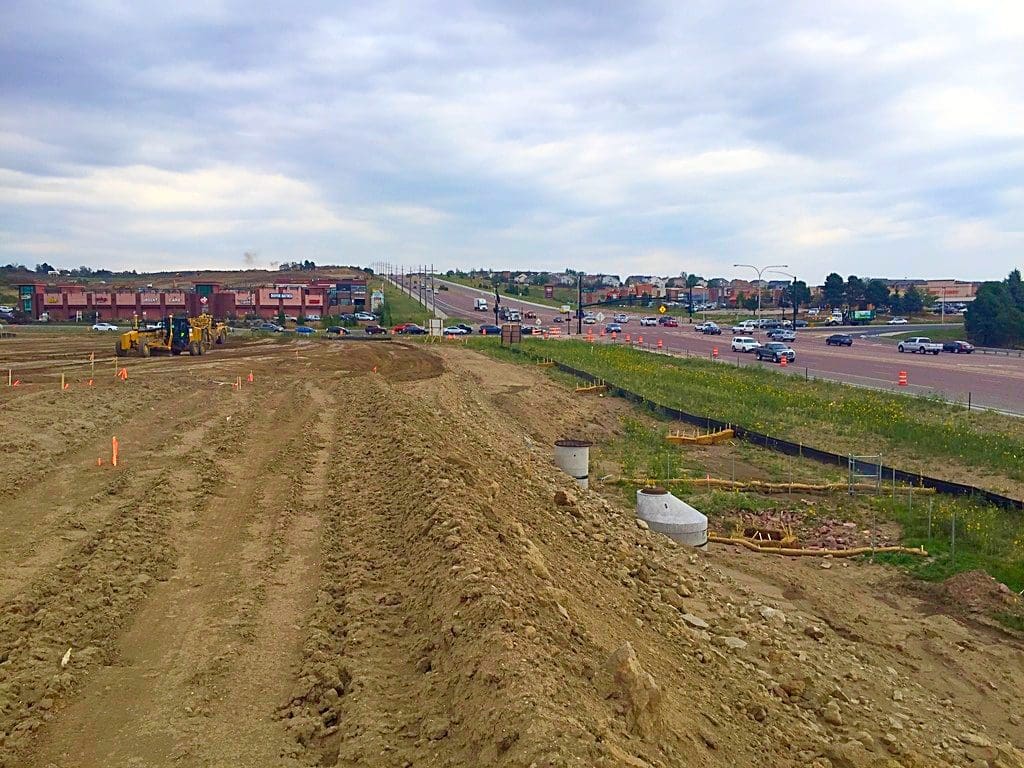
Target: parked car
(105, 327)
(374, 330)
(744, 344)
(839, 340)
(745, 328)
(781, 334)
(621, 317)
(455, 330)
(411, 329)
(336, 330)
(269, 327)
(775, 351)
(897, 321)
(613, 328)
(958, 347)
(645, 321)
(488, 329)
(921, 344)
(365, 317)
(305, 330)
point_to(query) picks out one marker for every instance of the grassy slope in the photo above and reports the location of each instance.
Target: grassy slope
(914, 433)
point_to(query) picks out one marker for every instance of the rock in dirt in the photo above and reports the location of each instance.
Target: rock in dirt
(565, 499)
(635, 688)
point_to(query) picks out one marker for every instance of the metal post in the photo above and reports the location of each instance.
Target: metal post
(968, 401)
(952, 552)
(579, 304)
(930, 519)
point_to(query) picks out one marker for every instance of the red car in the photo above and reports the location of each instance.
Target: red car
(670, 322)
(401, 327)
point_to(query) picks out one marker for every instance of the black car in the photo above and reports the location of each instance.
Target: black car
(958, 347)
(466, 328)
(374, 329)
(336, 330)
(490, 330)
(839, 340)
(414, 330)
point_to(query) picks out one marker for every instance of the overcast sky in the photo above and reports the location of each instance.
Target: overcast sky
(875, 138)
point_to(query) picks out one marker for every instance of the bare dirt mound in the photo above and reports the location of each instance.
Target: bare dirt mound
(343, 567)
(978, 592)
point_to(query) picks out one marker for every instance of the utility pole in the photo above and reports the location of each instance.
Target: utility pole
(792, 292)
(759, 273)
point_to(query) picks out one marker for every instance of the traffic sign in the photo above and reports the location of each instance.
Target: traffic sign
(662, 310)
(600, 317)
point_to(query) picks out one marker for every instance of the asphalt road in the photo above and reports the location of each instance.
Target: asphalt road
(990, 381)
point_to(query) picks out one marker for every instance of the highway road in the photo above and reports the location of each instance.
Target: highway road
(990, 381)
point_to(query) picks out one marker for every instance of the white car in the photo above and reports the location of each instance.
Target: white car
(898, 321)
(105, 327)
(590, 319)
(747, 326)
(454, 330)
(620, 318)
(5, 308)
(365, 316)
(744, 344)
(648, 321)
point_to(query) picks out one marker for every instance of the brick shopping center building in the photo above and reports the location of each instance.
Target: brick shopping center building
(315, 298)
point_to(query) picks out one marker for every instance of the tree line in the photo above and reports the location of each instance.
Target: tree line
(855, 293)
(996, 316)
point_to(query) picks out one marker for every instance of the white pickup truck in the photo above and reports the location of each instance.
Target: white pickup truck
(921, 344)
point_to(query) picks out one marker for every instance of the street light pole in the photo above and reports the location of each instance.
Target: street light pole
(792, 292)
(760, 271)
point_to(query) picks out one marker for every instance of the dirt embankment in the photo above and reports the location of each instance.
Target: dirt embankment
(341, 567)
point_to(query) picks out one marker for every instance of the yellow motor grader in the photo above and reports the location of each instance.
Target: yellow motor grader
(174, 336)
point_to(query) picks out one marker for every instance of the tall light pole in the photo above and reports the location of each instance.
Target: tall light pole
(761, 271)
(792, 292)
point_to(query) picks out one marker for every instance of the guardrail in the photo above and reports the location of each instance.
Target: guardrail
(793, 449)
(1000, 351)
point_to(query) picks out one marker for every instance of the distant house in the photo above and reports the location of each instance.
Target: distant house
(521, 279)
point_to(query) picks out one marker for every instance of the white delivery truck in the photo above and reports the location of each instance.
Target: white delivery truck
(480, 305)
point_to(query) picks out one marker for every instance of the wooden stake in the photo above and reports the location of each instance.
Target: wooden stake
(113, 451)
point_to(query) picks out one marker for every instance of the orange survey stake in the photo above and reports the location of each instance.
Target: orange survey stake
(113, 451)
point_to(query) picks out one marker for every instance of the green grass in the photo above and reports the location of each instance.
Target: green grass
(400, 307)
(915, 433)
(939, 334)
(988, 538)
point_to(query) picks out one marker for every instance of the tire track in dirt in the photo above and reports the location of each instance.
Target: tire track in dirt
(197, 626)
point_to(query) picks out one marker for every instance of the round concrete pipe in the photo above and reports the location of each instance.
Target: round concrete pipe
(666, 514)
(573, 458)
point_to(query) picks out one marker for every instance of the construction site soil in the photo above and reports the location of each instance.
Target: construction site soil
(357, 559)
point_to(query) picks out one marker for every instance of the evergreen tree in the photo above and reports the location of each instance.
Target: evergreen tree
(834, 290)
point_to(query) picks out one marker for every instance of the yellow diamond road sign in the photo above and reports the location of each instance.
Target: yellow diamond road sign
(661, 309)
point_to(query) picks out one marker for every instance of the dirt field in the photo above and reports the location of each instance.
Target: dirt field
(341, 566)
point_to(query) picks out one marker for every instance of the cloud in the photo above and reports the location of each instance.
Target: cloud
(653, 137)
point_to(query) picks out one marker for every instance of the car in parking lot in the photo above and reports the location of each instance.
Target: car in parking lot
(645, 321)
(781, 334)
(958, 347)
(373, 330)
(489, 329)
(744, 344)
(839, 340)
(775, 351)
(105, 327)
(613, 328)
(365, 317)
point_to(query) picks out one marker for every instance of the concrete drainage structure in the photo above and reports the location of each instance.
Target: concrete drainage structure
(666, 514)
(573, 458)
